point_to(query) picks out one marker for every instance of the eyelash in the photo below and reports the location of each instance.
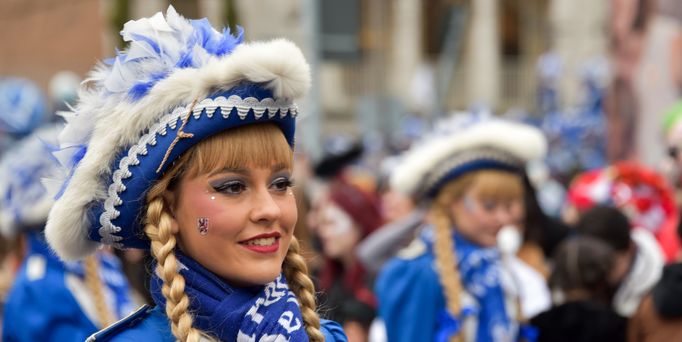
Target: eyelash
(287, 182)
(225, 187)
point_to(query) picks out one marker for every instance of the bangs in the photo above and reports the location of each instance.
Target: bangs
(499, 185)
(256, 145)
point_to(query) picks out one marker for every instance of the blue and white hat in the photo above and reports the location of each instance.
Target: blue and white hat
(24, 201)
(179, 82)
(465, 143)
(22, 106)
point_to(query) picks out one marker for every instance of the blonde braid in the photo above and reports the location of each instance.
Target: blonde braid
(296, 272)
(94, 283)
(158, 229)
(446, 264)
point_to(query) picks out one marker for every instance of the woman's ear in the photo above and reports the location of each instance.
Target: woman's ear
(169, 201)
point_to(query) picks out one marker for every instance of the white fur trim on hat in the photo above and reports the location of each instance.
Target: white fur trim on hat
(520, 141)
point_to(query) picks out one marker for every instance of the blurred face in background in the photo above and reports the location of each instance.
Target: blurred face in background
(491, 201)
(337, 231)
(395, 205)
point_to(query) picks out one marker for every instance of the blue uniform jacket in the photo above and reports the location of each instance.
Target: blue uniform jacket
(40, 307)
(151, 325)
(410, 296)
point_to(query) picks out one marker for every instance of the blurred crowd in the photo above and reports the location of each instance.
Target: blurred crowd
(590, 236)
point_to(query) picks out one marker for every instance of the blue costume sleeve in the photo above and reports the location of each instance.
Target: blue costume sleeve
(44, 310)
(410, 299)
(332, 331)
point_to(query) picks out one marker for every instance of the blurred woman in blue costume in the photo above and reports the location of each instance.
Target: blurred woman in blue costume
(184, 146)
(51, 300)
(449, 283)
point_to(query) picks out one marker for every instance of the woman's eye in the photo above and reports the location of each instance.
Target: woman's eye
(281, 184)
(231, 188)
(489, 205)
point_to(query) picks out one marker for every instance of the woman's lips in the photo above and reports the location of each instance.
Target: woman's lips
(264, 243)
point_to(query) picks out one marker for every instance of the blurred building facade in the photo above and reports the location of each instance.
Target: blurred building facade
(374, 61)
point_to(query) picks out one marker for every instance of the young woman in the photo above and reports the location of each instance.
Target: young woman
(449, 283)
(50, 300)
(187, 149)
(345, 217)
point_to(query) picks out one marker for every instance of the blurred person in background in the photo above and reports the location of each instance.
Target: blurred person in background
(659, 316)
(582, 271)
(22, 109)
(51, 300)
(63, 90)
(657, 76)
(450, 282)
(641, 193)
(672, 127)
(346, 217)
(402, 218)
(638, 262)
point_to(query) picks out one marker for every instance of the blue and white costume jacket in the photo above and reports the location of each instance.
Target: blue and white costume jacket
(50, 302)
(412, 304)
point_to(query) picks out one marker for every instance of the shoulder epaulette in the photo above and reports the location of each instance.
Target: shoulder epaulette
(125, 323)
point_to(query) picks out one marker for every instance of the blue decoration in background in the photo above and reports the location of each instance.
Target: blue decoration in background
(22, 106)
(576, 136)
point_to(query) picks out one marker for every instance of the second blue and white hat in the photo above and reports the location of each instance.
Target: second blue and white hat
(462, 144)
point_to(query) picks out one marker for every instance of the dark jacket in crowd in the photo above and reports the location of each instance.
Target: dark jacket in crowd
(580, 321)
(659, 317)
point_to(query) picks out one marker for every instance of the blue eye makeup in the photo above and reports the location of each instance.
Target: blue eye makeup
(229, 187)
(281, 183)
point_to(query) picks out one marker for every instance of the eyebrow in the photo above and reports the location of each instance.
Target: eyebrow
(245, 171)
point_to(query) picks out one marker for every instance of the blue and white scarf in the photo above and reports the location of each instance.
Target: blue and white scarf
(480, 271)
(269, 312)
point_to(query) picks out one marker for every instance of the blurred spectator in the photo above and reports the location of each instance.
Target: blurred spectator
(638, 259)
(659, 316)
(582, 271)
(657, 77)
(63, 90)
(345, 218)
(22, 109)
(541, 233)
(449, 282)
(51, 300)
(401, 217)
(642, 194)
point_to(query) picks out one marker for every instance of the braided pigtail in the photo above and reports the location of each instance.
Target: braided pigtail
(158, 229)
(94, 284)
(446, 264)
(444, 247)
(296, 272)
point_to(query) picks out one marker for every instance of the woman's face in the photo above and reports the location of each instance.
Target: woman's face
(480, 219)
(237, 223)
(337, 231)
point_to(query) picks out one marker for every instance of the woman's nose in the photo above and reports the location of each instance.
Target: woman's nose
(504, 215)
(265, 209)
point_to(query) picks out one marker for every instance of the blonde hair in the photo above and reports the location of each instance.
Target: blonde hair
(94, 284)
(492, 184)
(256, 145)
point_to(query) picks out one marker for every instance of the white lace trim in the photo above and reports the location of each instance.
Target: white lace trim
(107, 229)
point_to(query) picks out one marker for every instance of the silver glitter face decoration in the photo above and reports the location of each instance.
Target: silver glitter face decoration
(202, 225)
